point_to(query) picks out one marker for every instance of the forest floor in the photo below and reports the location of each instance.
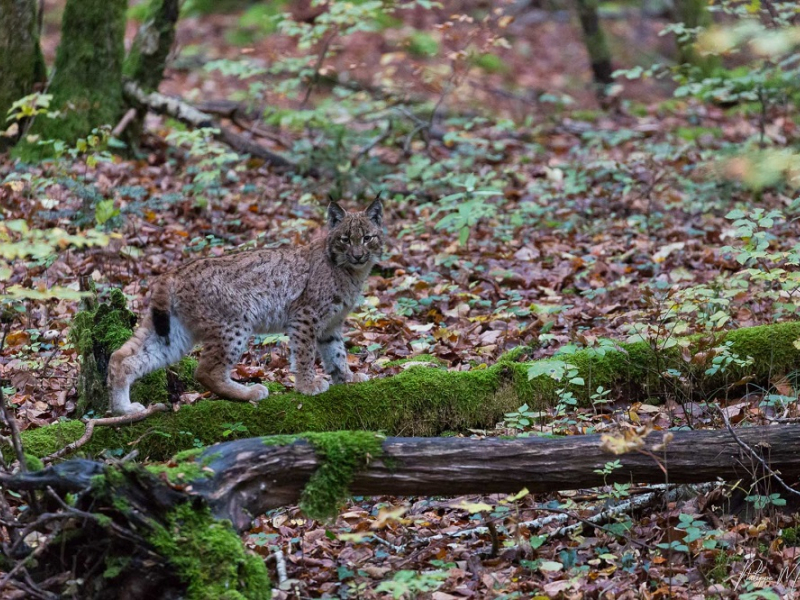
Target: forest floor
(607, 224)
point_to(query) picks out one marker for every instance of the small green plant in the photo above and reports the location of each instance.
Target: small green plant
(522, 418)
(409, 584)
(237, 428)
(211, 162)
(760, 501)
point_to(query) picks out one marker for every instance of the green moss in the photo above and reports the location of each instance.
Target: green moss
(426, 401)
(791, 536)
(185, 466)
(115, 565)
(97, 332)
(209, 557)
(491, 63)
(421, 43)
(33, 463)
(21, 62)
(148, 54)
(341, 454)
(44, 441)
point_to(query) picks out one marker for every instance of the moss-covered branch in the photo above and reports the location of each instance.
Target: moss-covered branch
(426, 401)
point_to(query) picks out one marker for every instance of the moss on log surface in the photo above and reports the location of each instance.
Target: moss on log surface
(425, 401)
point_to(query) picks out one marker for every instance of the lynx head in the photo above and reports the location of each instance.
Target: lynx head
(355, 239)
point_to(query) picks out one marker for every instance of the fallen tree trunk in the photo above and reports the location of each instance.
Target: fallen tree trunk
(183, 112)
(426, 401)
(244, 478)
(247, 477)
(175, 520)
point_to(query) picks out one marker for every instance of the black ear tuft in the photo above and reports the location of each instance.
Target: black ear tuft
(375, 211)
(335, 214)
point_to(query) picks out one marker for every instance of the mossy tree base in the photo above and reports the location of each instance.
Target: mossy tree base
(426, 401)
(21, 61)
(87, 79)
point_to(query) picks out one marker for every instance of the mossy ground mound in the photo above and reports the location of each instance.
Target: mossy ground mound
(425, 401)
(209, 557)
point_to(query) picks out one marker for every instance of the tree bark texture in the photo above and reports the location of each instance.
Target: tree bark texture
(21, 61)
(595, 41)
(250, 478)
(147, 58)
(693, 14)
(87, 82)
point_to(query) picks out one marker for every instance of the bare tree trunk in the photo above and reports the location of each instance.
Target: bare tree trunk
(147, 58)
(693, 14)
(21, 61)
(596, 46)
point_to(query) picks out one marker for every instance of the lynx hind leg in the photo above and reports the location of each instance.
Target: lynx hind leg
(145, 352)
(220, 354)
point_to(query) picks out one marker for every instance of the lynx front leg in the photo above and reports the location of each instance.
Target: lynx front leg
(214, 368)
(334, 359)
(304, 349)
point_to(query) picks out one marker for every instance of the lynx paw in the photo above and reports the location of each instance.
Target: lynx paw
(317, 386)
(258, 392)
(359, 377)
(130, 409)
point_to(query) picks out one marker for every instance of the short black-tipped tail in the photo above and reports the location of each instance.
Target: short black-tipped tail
(160, 305)
(161, 322)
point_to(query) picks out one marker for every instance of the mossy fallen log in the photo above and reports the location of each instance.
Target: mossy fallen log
(181, 518)
(427, 401)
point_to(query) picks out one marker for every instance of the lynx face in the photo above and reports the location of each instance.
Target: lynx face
(355, 239)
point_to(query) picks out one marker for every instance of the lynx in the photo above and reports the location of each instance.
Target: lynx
(306, 292)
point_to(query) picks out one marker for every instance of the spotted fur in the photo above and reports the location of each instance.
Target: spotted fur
(220, 302)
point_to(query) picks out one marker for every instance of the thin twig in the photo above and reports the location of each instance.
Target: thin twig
(280, 566)
(317, 67)
(107, 421)
(126, 119)
(755, 455)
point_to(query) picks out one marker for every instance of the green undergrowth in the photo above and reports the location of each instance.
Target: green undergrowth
(423, 401)
(209, 557)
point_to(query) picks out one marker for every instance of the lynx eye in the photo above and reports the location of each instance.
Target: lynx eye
(368, 237)
(344, 239)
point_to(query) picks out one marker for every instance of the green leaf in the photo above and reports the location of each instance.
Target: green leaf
(104, 211)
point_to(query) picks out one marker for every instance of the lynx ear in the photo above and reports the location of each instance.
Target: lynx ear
(335, 214)
(375, 211)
